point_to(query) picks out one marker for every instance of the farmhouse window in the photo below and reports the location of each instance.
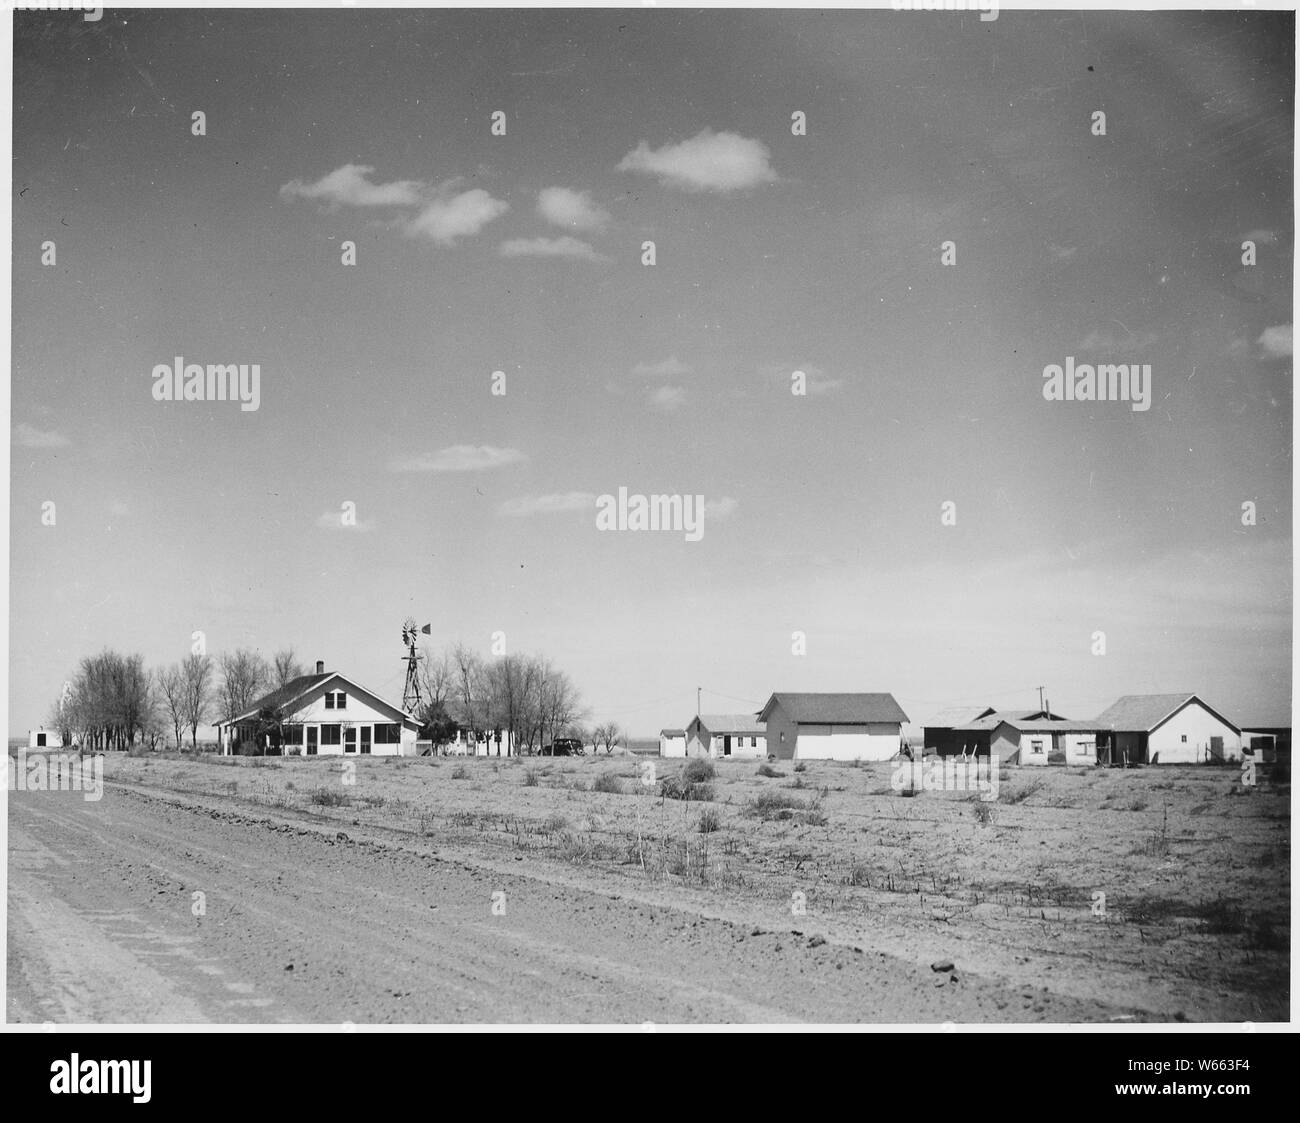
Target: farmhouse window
(1036, 746)
(349, 740)
(331, 734)
(340, 700)
(387, 734)
(293, 734)
(329, 699)
(1184, 738)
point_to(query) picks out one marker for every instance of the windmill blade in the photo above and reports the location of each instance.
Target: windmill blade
(427, 629)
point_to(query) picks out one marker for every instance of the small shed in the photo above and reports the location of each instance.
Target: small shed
(672, 742)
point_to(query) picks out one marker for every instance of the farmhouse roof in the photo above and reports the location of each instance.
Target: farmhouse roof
(1055, 726)
(1021, 719)
(1141, 713)
(731, 723)
(837, 709)
(296, 688)
(672, 733)
(954, 716)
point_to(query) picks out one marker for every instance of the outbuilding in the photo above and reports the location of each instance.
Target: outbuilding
(833, 726)
(726, 735)
(1166, 729)
(672, 742)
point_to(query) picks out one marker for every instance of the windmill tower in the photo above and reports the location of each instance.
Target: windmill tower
(411, 700)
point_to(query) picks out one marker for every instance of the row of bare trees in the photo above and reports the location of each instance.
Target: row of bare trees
(526, 695)
(113, 699)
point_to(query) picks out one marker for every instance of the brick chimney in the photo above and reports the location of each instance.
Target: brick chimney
(320, 666)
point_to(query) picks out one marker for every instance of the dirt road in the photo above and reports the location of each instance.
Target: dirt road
(299, 922)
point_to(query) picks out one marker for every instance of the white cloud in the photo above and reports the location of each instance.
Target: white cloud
(30, 437)
(707, 162)
(668, 398)
(575, 209)
(1276, 342)
(669, 368)
(350, 185)
(720, 508)
(550, 247)
(456, 216)
(548, 504)
(461, 458)
(1107, 341)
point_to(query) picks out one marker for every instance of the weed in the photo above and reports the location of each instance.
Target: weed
(710, 821)
(697, 771)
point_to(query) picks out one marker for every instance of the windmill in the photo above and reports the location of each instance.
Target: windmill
(411, 633)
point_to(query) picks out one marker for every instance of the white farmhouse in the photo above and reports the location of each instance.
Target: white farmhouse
(44, 739)
(323, 714)
(1165, 729)
(833, 726)
(726, 735)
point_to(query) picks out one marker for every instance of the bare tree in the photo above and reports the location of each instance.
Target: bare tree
(437, 678)
(284, 668)
(63, 715)
(198, 672)
(559, 702)
(606, 736)
(172, 695)
(469, 689)
(244, 678)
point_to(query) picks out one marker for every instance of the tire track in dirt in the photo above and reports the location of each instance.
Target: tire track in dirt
(301, 925)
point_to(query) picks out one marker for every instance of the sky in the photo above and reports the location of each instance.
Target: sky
(1087, 547)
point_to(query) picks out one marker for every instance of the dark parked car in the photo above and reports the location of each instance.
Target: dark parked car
(564, 746)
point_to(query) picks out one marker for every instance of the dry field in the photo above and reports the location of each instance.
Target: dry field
(816, 894)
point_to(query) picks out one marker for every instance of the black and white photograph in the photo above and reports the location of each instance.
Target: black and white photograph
(650, 517)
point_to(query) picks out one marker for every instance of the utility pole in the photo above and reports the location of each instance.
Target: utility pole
(1040, 698)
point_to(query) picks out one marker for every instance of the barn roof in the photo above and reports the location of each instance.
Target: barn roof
(731, 723)
(1141, 713)
(837, 709)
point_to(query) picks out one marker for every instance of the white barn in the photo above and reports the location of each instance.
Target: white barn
(325, 714)
(725, 736)
(44, 739)
(833, 726)
(1166, 729)
(672, 742)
